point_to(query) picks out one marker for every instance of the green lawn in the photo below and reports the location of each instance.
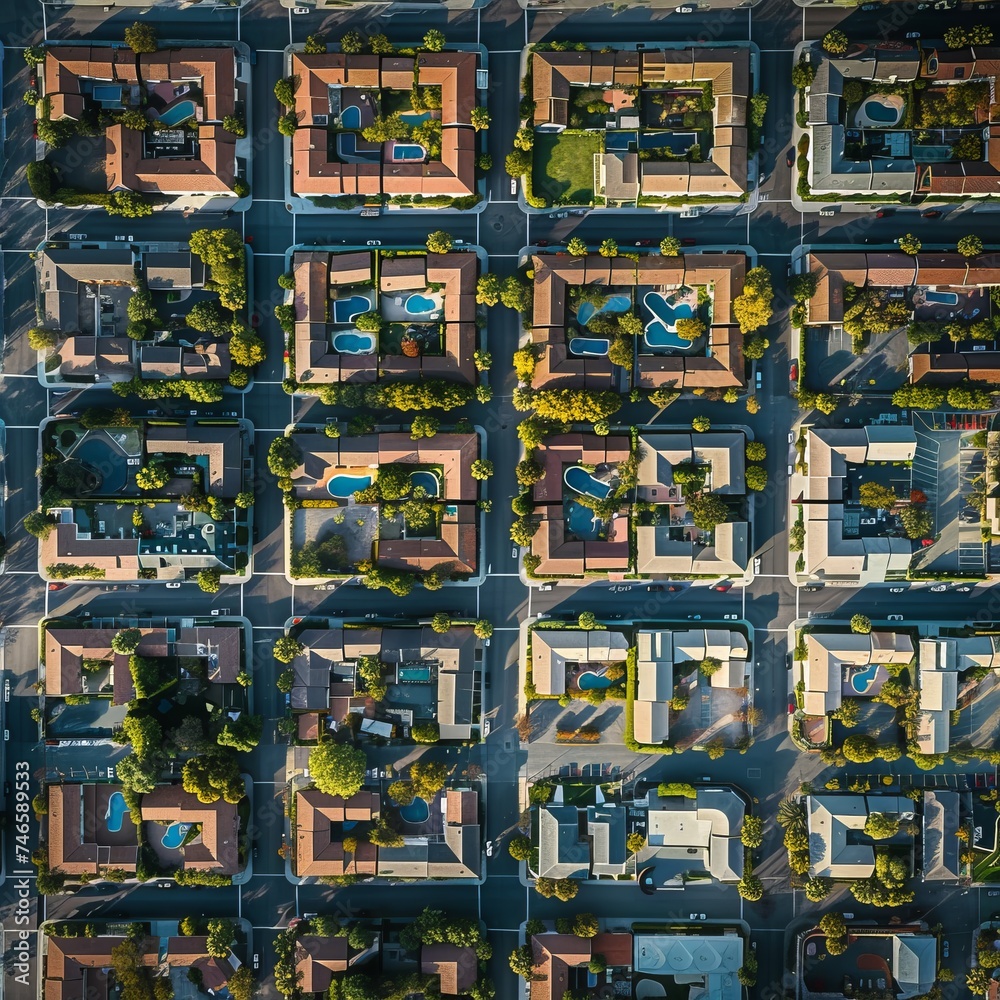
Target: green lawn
(563, 167)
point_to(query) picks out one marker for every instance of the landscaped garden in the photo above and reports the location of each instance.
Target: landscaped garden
(563, 166)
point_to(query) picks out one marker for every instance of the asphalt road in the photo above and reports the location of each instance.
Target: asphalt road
(771, 769)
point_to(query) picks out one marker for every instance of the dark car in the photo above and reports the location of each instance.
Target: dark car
(673, 588)
(883, 213)
(655, 588)
(688, 241)
(541, 243)
(790, 157)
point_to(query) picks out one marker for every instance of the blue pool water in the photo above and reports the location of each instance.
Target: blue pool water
(944, 298)
(408, 151)
(342, 486)
(105, 458)
(414, 675)
(581, 521)
(428, 480)
(354, 343)
(107, 93)
(419, 304)
(662, 331)
(174, 835)
(180, 112)
(415, 117)
(583, 482)
(588, 347)
(116, 812)
(589, 680)
(863, 679)
(350, 117)
(344, 310)
(416, 812)
(615, 304)
(876, 111)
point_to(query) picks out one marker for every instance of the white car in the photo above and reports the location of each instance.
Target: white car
(894, 618)
(937, 589)
(684, 10)
(300, 10)
(173, 586)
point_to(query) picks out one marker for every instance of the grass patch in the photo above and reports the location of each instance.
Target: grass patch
(563, 166)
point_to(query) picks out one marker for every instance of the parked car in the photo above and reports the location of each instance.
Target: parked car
(790, 157)
(883, 213)
(724, 588)
(686, 9)
(963, 590)
(896, 590)
(791, 706)
(654, 588)
(937, 588)
(793, 372)
(58, 586)
(173, 586)
(894, 618)
(913, 34)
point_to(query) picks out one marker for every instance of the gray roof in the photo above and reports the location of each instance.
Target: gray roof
(940, 843)
(561, 852)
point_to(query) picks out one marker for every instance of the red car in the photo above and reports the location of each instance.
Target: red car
(58, 586)
(791, 706)
(883, 213)
(793, 371)
(724, 588)
(931, 214)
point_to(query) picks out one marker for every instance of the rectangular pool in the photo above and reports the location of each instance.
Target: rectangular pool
(943, 298)
(413, 675)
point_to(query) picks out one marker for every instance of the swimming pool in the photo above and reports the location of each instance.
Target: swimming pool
(415, 117)
(589, 680)
(101, 456)
(180, 112)
(615, 304)
(588, 347)
(107, 93)
(350, 117)
(115, 814)
(417, 305)
(343, 486)
(579, 479)
(676, 142)
(880, 111)
(416, 812)
(662, 331)
(414, 675)
(174, 835)
(344, 310)
(408, 151)
(944, 298)
(427, 480)
(863, 679)
(354, 343)
(581, 521)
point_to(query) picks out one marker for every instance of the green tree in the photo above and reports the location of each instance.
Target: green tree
(284, 456)
(488, 289)
(689, 329)
(670, 246)
(522, 963)
(144, 734)
(588, 620)
(710, 665)
(861, 624)
(876, 496)
(635, 842)
(441, 622)
(752, 307)
(701, 424)
(424, 426)
(39, 524)
(209, 580)
(221, 936)
(126, 641)
(881, 826)
(428, 777)
(241, 984)
(242, 734)
(479, 119)
(756, 478)
(908, 243)
(314, 45)
(351, 43)
(978, 981)
(608, 248)
(40, 339)
(917, 521)
(517, 163)
(128, 204)
(337, 769)
(519, 848)
(380, 45)
(439, 242)
(132, 119)
(834, 42)
(970, 246)
(756, 451)
(750, 887)
(577, 247)
(483, 629)
(516, 294)
(141, 38)
(707, 510)
(246, 348)
(434, 40)
(803, 74)
(586, 925)
(860, 748)
(752, 832)
(481, 468)
(286, 648)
